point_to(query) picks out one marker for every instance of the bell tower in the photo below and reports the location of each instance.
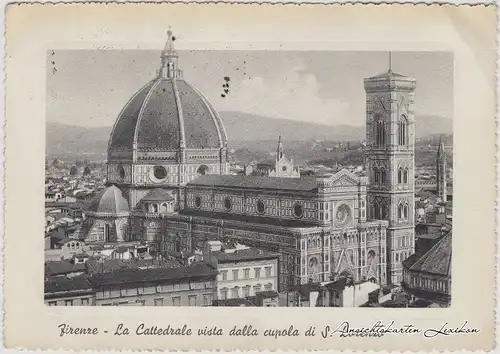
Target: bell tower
(441, 172)
(390, 135)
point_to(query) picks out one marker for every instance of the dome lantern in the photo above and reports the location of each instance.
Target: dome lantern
(170, 59)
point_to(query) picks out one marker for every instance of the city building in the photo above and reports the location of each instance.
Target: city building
(428, 276)
(75, 291)
(244, 271)
(345, 224)
(181, 286)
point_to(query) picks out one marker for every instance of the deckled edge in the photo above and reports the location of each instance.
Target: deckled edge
(457, 3)
(3, 75)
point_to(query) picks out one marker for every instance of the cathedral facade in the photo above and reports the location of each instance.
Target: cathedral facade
(167, 158)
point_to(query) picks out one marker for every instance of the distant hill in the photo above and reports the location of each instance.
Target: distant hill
(427, 125)
(249, 127)
(242, 129)
(69, 141)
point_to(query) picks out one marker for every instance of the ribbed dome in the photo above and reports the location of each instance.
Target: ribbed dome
(109, 201)
(166, 114)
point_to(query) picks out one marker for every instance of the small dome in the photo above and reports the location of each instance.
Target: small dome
(109, 201)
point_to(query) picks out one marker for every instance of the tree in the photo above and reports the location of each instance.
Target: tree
(87, 171)
(73, 171)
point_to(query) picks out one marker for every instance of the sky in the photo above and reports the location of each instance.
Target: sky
(90, 87)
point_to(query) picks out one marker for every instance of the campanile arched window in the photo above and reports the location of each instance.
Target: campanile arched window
(403, 130)
(379, 131)
(383, 176)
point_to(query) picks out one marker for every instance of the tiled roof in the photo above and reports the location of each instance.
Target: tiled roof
(436, 261)
(124, 277)
(256, 182)
(262, 220)
(152, 119)
(56, 285)
(234, 302)
(267, 294)
(109, 200)
(63, 267)
(94, 266)
(267, 162)
(158, 194)
(338, 284)
(243, 255)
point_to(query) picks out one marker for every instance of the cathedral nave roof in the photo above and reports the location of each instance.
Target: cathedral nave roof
(257, 182)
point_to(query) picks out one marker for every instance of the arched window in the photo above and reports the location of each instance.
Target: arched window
(400, 211)
(403, 131)
(379, 131)
(405, 211)
(375, 175)
(379, 209)
(400, 175)
(382, 176)
(405, 175)
(375, 210)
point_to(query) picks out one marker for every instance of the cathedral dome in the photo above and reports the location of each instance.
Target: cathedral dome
(109, 201)
(167, 114)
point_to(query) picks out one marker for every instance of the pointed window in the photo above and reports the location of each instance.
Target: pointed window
(379, 131)
(403, 131)
(382, 176)
(400, 175)
(375, 175)
(400, 211)
(405, 175)
(405, 211)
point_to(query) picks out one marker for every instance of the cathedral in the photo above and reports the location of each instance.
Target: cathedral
(169, 186)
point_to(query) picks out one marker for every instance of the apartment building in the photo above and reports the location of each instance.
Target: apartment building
(243, 271)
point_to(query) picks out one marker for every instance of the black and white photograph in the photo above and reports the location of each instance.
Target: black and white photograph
(256, 178)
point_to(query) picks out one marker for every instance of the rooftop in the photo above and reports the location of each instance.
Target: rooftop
(64, 267)
(436, 261)
(243, 255)
(234, 302)
(303, 184)
(95, 266)
(291, 223)
(267, 294)
(158, 194)
(57, 285)
(124, 277)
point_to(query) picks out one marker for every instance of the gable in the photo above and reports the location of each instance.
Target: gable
(344, 178)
